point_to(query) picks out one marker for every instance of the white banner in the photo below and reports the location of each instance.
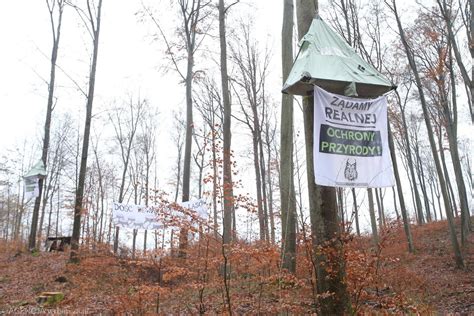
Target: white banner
(31, 187)
(135, 216)
(142, 217)
(351, 141)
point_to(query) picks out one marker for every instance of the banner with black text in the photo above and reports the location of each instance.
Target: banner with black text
(351, 141)
(143, 217)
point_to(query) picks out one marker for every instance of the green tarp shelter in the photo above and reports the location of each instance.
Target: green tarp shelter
(326, 60)
(38, 170)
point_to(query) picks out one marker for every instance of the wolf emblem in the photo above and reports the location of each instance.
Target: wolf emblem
(350, 173)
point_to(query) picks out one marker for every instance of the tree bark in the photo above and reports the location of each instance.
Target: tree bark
(403, 210)
(419, 208)
(411, 60)
(287, 189)
(451, 198)
(263, 173)
(258, 179)
(183, 235)
(421, 178)
(373, 221)
(379, 209)
(144, 242)
(325, 226)
(356, 211)
(76, 230)
(49, 110)
(191, 18)
(214, 187)
(448, 18)
(452, 132)
(271, 211)
(395, 203)
(227, 134)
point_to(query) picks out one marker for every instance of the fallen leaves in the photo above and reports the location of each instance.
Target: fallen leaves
(392, 281)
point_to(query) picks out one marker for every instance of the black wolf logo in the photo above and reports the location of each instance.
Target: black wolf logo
(350, 173)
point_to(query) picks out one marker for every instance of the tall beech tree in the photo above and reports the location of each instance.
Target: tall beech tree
(410, 164)
(126, 120)
(448, 13)
(55, 9)
(426, 115)
(191, 14)
(403, 210)
(191, 32)
(287, 186)
(249, 83)
(227, 135)
(435, 47)
(325, 226)
(92, 17)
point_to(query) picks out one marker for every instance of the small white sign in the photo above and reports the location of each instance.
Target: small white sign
(31, 187)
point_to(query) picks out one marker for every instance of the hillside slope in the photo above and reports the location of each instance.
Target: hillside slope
(393, 281)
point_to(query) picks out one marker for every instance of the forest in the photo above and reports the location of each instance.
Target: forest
(156, 160)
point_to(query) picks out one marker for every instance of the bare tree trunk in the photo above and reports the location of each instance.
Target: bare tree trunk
(411, 61)
(189, 128)
(340, 207)
(228, 185)
(448, 17)
(264, 187)
(50, 215)
(438, 197)
(7, 221)
(451, 129)
(57, 210)
(116, 237)
(56, 29)
(454, 209)
(395, 203)
(373, 222)
(270, 184)
(191, 17)
(94, 19)
(178, 167)
(214, 187)
(379, 209)
(183, 235)
(198, 158)
(419, 208)
(451, 198)
(433, 201)
(19, 218)
(258, 182)
(412, 197)
(101, 193)
(134, 240)
(403, 210)
(287, 188)
(43, 209)
(421, 178)
(251, 80)
(322, 203)
(356, 211)
(382, 194)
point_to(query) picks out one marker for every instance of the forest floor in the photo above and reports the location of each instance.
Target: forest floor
(425, 282)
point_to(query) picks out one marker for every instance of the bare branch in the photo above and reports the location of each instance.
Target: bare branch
(168, 46)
